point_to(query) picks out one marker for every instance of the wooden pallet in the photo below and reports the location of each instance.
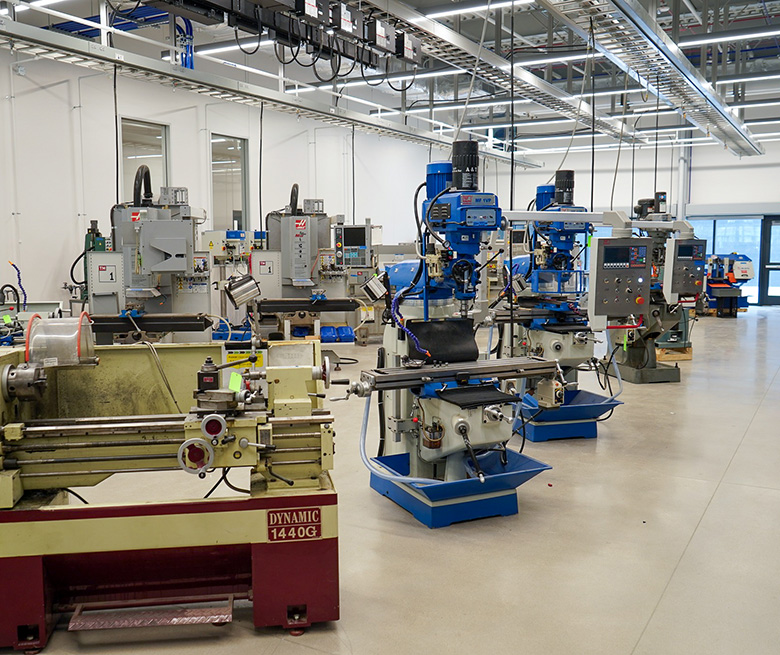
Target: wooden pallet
(674, 354)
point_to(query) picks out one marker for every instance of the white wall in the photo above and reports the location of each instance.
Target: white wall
(57, 167)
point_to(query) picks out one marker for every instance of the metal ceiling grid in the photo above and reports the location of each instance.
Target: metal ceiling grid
(443, 43)
(629, 37)
(35, 42)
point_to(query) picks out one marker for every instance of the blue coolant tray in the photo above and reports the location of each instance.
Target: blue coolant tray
(519, 469)
(577, 405)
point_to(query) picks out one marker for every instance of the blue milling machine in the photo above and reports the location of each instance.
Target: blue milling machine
(446, 414)
(541, 313)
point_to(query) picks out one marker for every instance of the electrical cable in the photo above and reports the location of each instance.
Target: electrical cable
(588, 64)
(363, 71)
(263, 226)
(314, 59)
(476, 68)
(248, 53)
(118, 12)
(592, 127)
(657, 106)
(407, 87)
(230, 485)
(620, 144)
(13, 289)
(73, 266)
(76, 495)
(226, 322)
(219, 482)
(294, 53)
(335, 70)
(354, 188)
(159, 364)
(116, 141)
(427, 216)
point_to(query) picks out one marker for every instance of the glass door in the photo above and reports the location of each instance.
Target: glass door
(769, 271)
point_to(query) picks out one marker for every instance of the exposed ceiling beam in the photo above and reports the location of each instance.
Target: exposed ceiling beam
(633, 41)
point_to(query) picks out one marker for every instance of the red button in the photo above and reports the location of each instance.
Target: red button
(640, 301)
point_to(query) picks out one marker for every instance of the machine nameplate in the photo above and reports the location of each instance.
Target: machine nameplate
(297, 524)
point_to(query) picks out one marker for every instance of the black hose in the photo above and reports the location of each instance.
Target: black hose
(427, 218)
(417, 213)
(13, 289)
(381, 359)
(294, 199)
(73, 268)
(142, 176)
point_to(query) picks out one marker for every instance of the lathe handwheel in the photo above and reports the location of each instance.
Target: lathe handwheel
(195, 455)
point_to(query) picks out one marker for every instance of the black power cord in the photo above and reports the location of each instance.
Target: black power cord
(75, 495)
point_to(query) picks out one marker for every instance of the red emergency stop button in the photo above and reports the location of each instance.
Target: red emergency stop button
(640, 301)
(698, 283)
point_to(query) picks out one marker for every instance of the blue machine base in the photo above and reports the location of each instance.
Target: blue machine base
(546, 431)
(444, 503)
(575, 418)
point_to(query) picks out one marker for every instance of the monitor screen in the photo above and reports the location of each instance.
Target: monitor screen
(354, 237)
(518, 236)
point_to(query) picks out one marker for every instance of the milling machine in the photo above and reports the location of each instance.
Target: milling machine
(173, 560)
(445, 414)
(677, 261)
(149, 278)
(540, 310)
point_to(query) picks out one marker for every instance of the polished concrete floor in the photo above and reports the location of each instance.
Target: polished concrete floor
(662, 536)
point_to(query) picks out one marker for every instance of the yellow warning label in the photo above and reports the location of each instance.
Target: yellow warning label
(242, 354)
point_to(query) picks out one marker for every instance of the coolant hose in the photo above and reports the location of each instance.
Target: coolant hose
(378, 472)
(617, 370)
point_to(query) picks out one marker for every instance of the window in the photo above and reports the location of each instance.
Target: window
(228, 182)
(743, 236)
(704, 229)
(143, 143)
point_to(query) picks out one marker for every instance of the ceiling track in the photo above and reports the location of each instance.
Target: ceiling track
(447, 45)
(36, 42)
(634, 42)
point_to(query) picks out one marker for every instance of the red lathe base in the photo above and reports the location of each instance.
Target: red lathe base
(280, 552)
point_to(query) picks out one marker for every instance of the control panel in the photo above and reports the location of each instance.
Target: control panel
(620, 273)
(352, 244)
(297, 240)
(684, 268)
(481, 218)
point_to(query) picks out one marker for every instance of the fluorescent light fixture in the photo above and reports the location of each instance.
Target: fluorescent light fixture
(449, 106)
(218, 48)
(750, 78)
(518, 125)
(219, 139)
(720, 37)
(400, 78)
(750, 104)
(553, 137)
(768, 121)
(143, 157)
(647, 112)
(37, 3)
(610, 92)
(473, 9)
(558, 59)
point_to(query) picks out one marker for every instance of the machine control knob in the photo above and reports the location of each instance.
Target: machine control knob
(640, 301)
(628, 290)
(617, 280)
(338, 253)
